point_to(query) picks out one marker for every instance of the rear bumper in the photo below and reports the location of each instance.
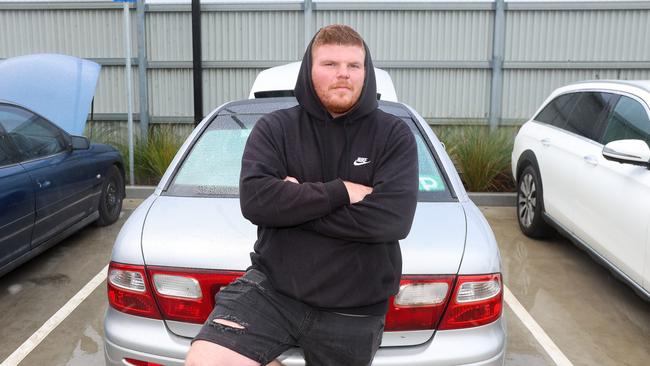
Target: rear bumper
(149, 340)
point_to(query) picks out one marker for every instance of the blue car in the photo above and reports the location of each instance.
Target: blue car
(53, 182)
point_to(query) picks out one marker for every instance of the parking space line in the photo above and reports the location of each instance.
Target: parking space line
(28, 346)
(536, 330)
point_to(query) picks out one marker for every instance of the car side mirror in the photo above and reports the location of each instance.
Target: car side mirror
(80, 143)
(634, 152)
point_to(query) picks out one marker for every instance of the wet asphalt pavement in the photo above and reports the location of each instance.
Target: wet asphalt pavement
(591, 316)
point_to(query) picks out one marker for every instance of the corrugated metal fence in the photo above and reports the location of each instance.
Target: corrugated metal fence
(439, 53)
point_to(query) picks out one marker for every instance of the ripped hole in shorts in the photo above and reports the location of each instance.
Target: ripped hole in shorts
(229, 323)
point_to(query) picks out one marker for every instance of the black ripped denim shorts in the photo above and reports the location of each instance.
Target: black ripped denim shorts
(272, 323)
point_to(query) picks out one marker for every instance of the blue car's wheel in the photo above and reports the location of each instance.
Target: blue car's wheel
(110, 201)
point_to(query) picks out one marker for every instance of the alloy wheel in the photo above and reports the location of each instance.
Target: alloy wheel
(527, 200)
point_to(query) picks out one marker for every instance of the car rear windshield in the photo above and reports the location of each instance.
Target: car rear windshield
(213, 164)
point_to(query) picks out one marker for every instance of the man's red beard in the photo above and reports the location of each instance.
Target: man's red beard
(336, 105)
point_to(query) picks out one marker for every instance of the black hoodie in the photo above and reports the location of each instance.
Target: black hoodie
(311, 242)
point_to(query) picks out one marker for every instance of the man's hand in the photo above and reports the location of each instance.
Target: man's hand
(356, 191)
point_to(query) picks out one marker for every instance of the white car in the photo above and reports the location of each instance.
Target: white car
(581, 166)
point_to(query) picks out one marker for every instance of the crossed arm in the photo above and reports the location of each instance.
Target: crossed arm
(340, 209)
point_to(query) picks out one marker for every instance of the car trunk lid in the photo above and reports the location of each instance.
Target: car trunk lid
(206, 235)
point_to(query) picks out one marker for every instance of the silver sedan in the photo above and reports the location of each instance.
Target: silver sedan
(189, 239)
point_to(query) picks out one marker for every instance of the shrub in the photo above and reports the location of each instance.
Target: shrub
(152, 157)
(482, 157)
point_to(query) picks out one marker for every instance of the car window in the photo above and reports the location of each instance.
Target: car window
(430, 178)
(629, 120)
(213, 165)
(5, 157)
(557, 112)
(32, 135)
(590, 109)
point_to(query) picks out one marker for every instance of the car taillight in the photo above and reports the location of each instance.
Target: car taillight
(419, 303)
(128, 291)
(477, 300)
(134, 362)
(188, 295)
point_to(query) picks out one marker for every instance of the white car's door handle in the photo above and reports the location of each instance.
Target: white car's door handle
(591, 160)
(546, 142)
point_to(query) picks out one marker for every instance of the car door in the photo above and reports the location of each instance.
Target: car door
(57, 175)
(549, 147)
(619, 194)
(582, 154)
(566, 144)
(16, 204)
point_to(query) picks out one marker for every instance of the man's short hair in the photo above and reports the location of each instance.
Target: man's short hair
(337, 34)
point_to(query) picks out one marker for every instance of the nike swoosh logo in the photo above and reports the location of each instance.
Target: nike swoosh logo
(357, 163)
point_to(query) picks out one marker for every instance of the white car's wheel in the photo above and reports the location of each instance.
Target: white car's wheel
(530, 204)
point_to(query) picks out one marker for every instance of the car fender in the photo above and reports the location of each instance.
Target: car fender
(526, 158)
(481, 254)
(128, 245)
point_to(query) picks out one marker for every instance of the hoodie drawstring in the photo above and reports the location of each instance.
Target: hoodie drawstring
(346, 149)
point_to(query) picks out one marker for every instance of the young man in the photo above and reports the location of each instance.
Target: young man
(332, 186)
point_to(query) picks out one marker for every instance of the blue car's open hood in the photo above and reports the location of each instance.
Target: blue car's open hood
(58, 87)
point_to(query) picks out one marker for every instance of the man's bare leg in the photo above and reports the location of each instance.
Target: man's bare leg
(204, 353)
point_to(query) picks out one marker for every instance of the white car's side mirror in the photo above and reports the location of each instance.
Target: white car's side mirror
(634, 152)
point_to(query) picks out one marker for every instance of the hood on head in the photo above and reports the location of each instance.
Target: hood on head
(58, 87)
(308, 99)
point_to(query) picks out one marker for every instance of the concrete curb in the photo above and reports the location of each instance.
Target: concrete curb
(493, 199)
(479, 198)
(139, 192)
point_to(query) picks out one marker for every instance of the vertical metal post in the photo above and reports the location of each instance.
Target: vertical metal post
(498, 54)
(129, 86)
(196, 61)
(142, 72)
(308, 21)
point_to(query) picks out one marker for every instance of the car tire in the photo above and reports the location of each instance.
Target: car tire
(110, 201)
(530, 204)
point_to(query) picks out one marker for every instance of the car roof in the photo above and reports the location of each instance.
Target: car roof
(283, 79)
(620, 85)
(640, 88)
(267, 105)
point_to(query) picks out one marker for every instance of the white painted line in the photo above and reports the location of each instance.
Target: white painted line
(540, 335)
(54, 321)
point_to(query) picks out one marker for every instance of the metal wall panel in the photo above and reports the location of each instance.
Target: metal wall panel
(635, 74)
(248, 35)
(238, 82)
(83, 33)
(227, 36)
(578, 35)
(169, 36)
(444, 93)
(419, 35)
(110, 96)
(525, 90)
(171, 92)
(437, 55)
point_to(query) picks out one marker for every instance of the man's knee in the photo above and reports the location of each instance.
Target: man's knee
(204, 353)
